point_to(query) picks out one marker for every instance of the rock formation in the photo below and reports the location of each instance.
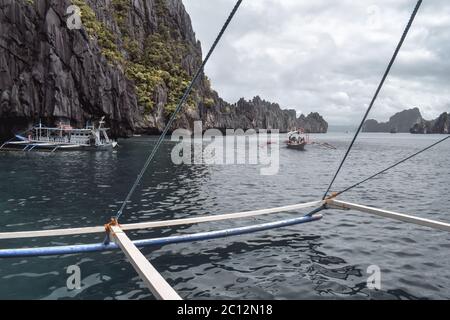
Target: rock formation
(260, 114)
(130, 62)
(400, 122)
(440, 125)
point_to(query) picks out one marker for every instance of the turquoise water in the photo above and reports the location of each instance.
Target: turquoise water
(322, 260)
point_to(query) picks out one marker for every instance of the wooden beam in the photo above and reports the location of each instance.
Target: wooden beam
(156, 224)
(50, 233)
(390, 214)
(151, 277)
(221, 217)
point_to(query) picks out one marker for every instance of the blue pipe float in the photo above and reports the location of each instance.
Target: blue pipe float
(89, 248)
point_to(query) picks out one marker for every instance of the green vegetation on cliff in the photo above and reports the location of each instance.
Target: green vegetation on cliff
(157, 63)
(106, 39)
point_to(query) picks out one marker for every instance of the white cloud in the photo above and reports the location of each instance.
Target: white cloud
(328, 56)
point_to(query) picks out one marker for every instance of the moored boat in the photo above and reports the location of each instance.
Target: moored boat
(297, 140)
(61, 138)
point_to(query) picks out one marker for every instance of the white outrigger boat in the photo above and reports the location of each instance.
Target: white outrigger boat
(63, 137)
(297, 140)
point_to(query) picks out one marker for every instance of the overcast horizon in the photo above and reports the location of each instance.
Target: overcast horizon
(327, 56)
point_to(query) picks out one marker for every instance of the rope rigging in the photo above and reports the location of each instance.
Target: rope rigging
(177, 110)
(380, 86)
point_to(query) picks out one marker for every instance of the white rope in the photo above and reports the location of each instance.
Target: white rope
(156, 224)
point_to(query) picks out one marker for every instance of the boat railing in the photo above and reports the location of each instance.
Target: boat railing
(60, 139)
(79, 140)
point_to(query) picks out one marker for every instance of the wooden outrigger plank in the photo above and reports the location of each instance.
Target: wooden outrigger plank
(185, 238)
(392, 215)
(51, 233)
(222, 217)
(151, 277)
(155, 224)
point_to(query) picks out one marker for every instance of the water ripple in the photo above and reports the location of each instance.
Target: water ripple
(324, 260)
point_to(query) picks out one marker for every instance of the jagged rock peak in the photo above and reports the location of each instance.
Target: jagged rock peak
(260, 114)
(399, 122)
(440, 126)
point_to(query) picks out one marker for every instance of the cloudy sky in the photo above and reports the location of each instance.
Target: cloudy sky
(329, 56)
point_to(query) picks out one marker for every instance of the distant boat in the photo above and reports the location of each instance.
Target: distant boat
(63, 137)
(394, 130)
(297, 140)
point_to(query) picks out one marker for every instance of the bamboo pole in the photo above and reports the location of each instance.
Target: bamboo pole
(156, 224)
(390, 214)
(151, 277)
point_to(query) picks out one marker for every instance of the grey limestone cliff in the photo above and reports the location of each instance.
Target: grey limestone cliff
(130, 62)
(441, 125)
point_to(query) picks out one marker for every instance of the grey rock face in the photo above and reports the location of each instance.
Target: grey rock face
(260, 114)
(441, 125)
(51, 73)
(400, 122)
(313, 123)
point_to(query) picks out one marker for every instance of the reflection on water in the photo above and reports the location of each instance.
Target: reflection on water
(324, 260)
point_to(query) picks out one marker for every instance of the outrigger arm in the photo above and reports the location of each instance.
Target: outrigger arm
(146, 271)
(343, 205)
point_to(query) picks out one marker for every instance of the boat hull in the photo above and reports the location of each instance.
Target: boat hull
(61, 138)
(296, 146)
(27, 146)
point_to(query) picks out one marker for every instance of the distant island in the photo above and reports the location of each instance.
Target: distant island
(411, 121)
